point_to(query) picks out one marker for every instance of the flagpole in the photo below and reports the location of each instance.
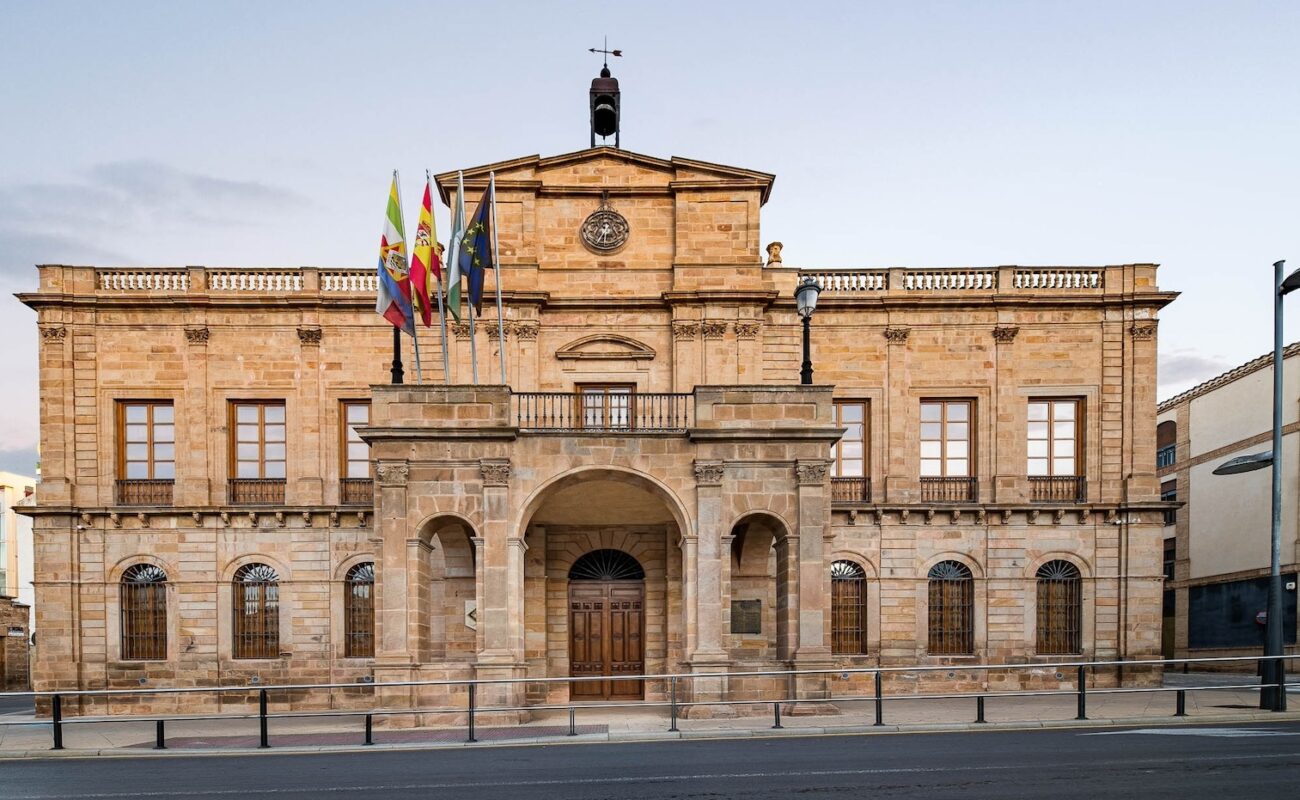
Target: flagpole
(415, 342)
(473, 337)
(442, 313)
(396, 372)
(496, 262)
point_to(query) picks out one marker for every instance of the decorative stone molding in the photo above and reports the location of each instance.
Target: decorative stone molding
(334, 519)
(54, 333)
(252, 519)
(903, 515)
(1032, 516)
(198, 519)
(956, 516)
(196, 335)
(853, 516)
(605, 347)
(279, 519)
(929, 516)
(495, 473)
(306, 519)
(747, 330)
(523, 331)
(713, 330)
(1084, 515)
(361, 519)
(981, 516)
(806, 472)
(1059, 516)
(685, 330)
(309, 334)
(143, 518)
(225, 519)
(1143, 331)
(115, 518)
(709, 473)
(460, 330)
(879, 516)
(86, 519)
(897, 335)
(1005, 335)
(392, 473)
(774, 253)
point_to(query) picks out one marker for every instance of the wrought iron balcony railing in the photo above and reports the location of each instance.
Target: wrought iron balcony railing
(949, 490)
(257, 491)
(850, 490)
(1057, 488)
(650, 412)
(356, 491)
(144, 492)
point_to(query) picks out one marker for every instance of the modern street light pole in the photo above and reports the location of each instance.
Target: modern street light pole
(805, 300)
(1274, 696)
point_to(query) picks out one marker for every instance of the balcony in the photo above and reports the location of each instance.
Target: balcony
(850, 490)
(600, 413)
(357, 492)
(1057, 488)
(949, 490)
(256, 491)
(144, 492)
(1166, 456)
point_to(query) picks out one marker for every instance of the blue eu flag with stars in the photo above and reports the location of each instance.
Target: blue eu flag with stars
(476, 251)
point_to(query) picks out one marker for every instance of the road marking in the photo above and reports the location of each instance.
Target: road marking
(1222, 733)
(471, 785)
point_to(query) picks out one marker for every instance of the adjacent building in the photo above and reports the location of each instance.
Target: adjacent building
(1217, 543)
(16, 590)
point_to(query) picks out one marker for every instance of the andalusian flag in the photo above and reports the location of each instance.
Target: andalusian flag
(453, 259)
(394, 301)
(426, 271)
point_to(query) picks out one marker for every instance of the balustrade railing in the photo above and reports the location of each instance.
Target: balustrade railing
(144, 492)
(256, 491)
(345, 280)
(850, 490)
(143, 280)
(948, 490)
(255, 280)
(950, 280)
(869, 280)
(1049, 278)
(357, 492)
(648, 412)
(1057, 488)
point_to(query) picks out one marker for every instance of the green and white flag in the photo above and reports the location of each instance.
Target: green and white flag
(453, 262)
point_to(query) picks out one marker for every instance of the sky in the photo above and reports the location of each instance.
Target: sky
(901, 134)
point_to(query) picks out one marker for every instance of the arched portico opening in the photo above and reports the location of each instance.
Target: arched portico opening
(761, 616)
(444, 585)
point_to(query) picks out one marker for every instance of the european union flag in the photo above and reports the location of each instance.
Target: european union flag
(476, 251)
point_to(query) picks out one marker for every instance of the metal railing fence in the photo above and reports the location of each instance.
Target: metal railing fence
(1080, 692)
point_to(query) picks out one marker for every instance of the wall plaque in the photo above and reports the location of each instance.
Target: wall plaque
(746, 616)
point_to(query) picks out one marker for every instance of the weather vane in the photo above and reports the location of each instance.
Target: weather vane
(608, 53)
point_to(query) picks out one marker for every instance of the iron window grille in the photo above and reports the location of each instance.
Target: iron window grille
(143, 594)
(1060, 609)
(359, 612)
(606, 565)
(952, 610)
(256, 593)
(848, 608)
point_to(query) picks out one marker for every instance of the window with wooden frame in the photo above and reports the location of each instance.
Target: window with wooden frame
(849, 481)
(356, 486)
(257, 451)
(946, 438)
(143, 613)
(255, 622)
(606, 405)
(146, 452)
(952, 610)
(1053, 438)
(359, 612)
(848, 608)
(1060, 609)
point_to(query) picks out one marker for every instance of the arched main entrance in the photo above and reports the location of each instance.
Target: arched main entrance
(606, 625)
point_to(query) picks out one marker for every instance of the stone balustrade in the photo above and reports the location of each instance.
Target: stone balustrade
(143, 280)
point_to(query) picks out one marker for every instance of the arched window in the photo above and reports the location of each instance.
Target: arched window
(606, 565)
(952, 609)
(359, 612)
(848, 608)
(1060, 609)
(144, 613)
(256, 593)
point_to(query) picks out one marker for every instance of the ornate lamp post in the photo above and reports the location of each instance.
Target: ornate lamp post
(1274, 695)
(805, 300)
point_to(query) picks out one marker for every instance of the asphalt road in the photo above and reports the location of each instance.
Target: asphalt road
(1259, 761)
(15, 705)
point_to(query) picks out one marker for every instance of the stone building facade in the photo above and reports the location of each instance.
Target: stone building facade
(15, 643)
(651, 492)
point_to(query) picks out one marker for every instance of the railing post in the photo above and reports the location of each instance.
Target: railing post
(159, 736)
(672, 703)
(979, 709)
(261, 719)
(1083, 692)
(370, 729)
(776, 714)
(880, 701)
(56, 721)
(471, 715)
(1180, 710)
(573, 721)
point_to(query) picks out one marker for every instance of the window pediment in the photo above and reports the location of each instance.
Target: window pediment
(605, 347)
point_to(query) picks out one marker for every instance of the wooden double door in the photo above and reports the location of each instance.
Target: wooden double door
(606, 638)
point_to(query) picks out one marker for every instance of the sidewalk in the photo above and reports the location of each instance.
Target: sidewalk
(136, 737)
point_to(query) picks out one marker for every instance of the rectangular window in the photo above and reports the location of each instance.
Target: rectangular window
(606, 405)
(1169, 494)
(1171, 557)
(356, 486)
(1053, 438)
(146, 452)
(946, 437)
(257, 452)
(850, 452)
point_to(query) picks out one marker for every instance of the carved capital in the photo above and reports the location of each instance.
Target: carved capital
(747, 330)
(196, 335)
(392, 473)
(685, 330)
(309, 334)
(54, 333)
(1143, 331)
(897, 335)
(460, 330)
(709, 473)
(495, 473)
(523, 331)
(713, 329)
(1005, 335)
(806, 472)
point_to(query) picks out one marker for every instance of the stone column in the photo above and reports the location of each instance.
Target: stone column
(500, 607)
(705, 576)
(393, 657)
(812, 651)
(900, 485)
(686, 355)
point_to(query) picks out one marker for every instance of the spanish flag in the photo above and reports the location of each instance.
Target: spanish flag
(426, 269)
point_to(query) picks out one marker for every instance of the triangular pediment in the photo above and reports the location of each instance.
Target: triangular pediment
(605, 347)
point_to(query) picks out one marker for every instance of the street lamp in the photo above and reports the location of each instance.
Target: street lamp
(805, 300)
(1274, 696)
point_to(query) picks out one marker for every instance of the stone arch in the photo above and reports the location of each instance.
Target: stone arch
(857, 557)
(444, 587)
(528, 509)
(113, 604)
(966, 559)
(1087, 602)
(1080, 563)
(760, 568)
(116, 571)
(232, 566)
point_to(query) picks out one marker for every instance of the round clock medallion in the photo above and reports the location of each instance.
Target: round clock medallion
(605, 230)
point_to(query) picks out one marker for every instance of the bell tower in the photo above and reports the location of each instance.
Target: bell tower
(605, 102)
